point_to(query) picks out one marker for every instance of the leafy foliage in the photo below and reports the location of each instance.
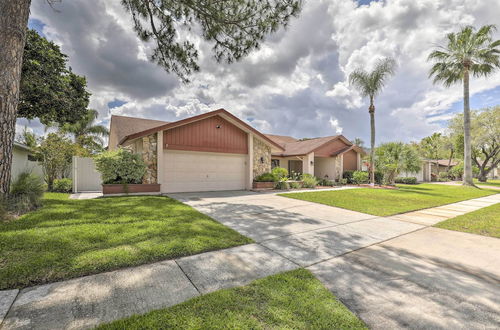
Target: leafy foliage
(360, 177)
(265, 177)
(431, 147)
(282, 184)
(55, 152)
(279, 173)
(348, 176)
(468, 49)
(26, 193)
(370, 84)
(396, 157)
(485, 138)
(49, 90)
(234, 27)
(120, 166)
(87, 135)
(309, 181)
(64, 185)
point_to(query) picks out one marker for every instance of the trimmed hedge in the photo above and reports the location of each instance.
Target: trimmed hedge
(408, 180)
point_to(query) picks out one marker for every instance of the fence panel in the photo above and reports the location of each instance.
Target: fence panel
(85, 176)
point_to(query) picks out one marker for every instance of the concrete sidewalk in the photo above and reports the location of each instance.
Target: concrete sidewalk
(290, 233)
(429, 279)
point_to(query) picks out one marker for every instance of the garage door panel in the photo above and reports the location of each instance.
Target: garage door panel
(201, 171)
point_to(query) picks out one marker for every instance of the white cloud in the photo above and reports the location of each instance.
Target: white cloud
(296, 83)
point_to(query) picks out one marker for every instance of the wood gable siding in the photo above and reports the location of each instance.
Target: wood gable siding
(328, 149)
(204, 135)
(350, 161)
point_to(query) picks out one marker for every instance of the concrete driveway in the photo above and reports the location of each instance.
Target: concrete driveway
(303, 232)
(392, 272)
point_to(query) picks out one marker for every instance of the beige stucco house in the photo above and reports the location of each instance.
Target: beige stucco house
(218, 151)
(324, 157)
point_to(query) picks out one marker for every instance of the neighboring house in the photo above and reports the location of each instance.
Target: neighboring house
(21, 161)
(441, 165)
(324, 157)
(218, 151)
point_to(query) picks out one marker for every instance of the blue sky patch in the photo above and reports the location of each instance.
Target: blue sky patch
(37, 25)
(116, 103)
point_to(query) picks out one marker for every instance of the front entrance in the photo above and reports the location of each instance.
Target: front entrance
(295, 166)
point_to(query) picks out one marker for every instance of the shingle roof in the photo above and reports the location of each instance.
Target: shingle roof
(295, 147)
(444, 162)
(281, 139)
(121, 126)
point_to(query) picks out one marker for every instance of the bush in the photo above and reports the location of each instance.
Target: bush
(348, 176)
(282, 184)
(360, 177)
(309, 181)
(62, 185)
(295, 184)
(265, 177)
(325, 182)
(379, 177)
(408, 180)
(443, 176)
(279, 173)
(343, 181)
(120, 166)
(26, 193)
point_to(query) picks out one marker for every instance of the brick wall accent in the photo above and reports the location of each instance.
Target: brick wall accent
(150, 158)
(261, 157)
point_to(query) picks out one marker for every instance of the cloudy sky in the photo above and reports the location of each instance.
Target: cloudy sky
(296, 83)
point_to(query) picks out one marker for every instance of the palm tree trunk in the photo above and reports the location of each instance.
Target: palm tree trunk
(13, 23)
(467, 143)
(371, 110)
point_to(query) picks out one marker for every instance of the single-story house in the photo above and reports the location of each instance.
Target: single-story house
(218, 151)
(21, 161)
(324, 157)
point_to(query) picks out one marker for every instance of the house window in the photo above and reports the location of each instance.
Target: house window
(275, 163)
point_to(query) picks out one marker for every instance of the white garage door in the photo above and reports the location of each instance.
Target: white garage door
(203, 171)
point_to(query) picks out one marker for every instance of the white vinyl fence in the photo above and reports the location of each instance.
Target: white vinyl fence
(85, 176)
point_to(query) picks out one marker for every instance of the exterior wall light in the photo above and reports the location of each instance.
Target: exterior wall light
(218, 126)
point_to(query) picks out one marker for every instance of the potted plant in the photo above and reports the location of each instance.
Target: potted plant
(122, 172)
(264, 181)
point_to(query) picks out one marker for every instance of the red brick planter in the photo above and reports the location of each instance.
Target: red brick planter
(129, 188)
(263, 185)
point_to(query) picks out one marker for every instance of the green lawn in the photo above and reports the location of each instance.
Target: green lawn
(68, 238)
(384, 202)
(485, 222)
(494, 183)
(291, 300)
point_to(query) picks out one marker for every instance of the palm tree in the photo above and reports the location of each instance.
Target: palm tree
(86, 134)
(370, 84)
(467, 52)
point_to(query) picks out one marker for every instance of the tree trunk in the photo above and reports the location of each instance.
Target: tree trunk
(449, 160)
(371, 110)
(13, 24)
(467, 142)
